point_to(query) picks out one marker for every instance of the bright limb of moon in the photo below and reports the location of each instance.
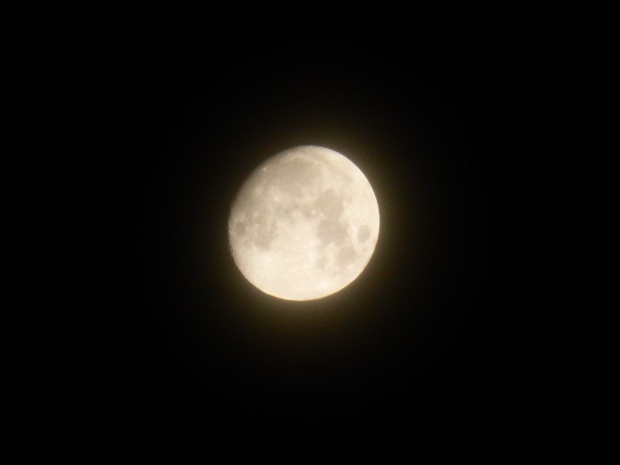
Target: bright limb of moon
(304, 224)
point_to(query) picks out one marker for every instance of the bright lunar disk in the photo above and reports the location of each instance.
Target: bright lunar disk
(304, 225)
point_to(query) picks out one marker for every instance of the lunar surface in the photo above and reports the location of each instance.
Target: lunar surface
(304, 225)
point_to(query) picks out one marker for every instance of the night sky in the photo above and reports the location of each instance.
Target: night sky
(426, 345)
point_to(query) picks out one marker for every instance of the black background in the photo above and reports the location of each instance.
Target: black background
(427, 344)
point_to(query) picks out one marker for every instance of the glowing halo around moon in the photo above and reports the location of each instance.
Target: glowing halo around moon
(304, 224)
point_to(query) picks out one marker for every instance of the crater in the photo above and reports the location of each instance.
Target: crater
(240, 228)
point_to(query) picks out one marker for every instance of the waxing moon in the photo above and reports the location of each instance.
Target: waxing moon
(304, 224)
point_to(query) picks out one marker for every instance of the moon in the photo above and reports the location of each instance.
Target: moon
(304, 225)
